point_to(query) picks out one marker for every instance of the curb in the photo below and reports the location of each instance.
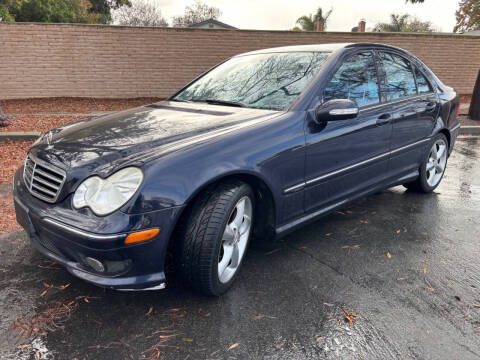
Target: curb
(19, 135)
(469, 130)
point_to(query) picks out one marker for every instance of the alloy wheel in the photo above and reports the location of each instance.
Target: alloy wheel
(235, 239)
(437, 160)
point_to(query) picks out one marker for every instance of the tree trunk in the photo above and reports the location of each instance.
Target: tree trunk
(474, 112)
(3, 117)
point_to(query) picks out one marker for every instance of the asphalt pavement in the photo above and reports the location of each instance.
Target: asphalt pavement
(393, 276)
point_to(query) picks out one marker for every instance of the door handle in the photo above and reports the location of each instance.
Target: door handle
(384, 119)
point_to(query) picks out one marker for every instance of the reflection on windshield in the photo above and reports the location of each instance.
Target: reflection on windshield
(265, 81)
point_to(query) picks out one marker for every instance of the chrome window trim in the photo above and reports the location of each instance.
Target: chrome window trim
(396, 101)
(350, 167)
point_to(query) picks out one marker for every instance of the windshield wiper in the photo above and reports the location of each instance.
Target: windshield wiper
(224, 102)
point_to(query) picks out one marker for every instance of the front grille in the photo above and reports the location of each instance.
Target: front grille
(42, 179)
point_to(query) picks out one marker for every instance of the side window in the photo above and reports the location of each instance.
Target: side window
(355, 80)
(399, 74)
(422, 83)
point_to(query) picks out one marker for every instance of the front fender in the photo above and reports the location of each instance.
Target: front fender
(272, 153)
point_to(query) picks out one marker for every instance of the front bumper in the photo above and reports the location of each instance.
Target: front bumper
(72, 238)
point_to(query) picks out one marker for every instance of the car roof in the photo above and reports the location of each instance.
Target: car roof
(331, 47)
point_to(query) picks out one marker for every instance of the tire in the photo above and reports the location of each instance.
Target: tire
(433, 166)
(211, 232)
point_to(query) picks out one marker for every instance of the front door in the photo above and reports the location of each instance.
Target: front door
(348, 156)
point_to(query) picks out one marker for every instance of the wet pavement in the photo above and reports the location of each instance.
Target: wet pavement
(404, 267)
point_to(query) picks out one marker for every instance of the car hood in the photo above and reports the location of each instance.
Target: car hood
(138, 132)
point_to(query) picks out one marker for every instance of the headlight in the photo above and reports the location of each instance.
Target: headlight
(104, 196)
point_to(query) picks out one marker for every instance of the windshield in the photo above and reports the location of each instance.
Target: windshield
(264, 81)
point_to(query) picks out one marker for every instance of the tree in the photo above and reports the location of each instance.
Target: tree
(468, 16)
(197, 13)
(404, 23)
(104, 8)
(8, 9)
(55, 11)
(474, 111)
(63, 11)
(141, 13)
(308, 22)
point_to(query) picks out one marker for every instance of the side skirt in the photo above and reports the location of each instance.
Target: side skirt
(287, 228)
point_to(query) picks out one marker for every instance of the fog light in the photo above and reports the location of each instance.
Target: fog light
(95, 264)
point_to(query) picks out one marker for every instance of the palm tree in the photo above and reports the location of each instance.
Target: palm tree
(308, 22)
(398, 23)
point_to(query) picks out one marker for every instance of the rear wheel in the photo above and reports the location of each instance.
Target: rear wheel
(215, 236)
(433, 166)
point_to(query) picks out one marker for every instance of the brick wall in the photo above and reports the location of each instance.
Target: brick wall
(41, 60)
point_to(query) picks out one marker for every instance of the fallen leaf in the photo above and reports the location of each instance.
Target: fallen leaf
(364, 221)
(187, 339)
(400, 279)
(63, 287)
(351, 247)
(398, 231)
(25, 346)
(341, 213)
(37, 355)
(424, 270)
(431, 289)
(350, 316)
(233, 346)
(389, 255)
(319, 338)
(327, 304)
(149, 311)
(44, 292)
(476, 305)
(261, 316)
(36, 329)
(86, 299)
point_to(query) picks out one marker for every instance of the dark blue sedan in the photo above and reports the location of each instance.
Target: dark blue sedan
(257, 146)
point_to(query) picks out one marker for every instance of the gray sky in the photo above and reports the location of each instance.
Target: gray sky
(281, 14)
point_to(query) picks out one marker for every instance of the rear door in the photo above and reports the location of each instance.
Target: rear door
(411, 125)
(348, 156)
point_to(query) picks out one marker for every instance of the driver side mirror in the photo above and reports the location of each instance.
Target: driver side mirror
(337, 109)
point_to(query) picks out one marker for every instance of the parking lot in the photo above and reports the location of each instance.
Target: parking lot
(396, 275)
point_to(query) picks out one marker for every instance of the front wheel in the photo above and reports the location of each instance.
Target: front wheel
(433, 166)
(215, 236)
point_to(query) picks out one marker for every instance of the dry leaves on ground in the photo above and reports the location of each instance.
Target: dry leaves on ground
(73, 105)
(12, 155)
(350, 316)
(38, 123)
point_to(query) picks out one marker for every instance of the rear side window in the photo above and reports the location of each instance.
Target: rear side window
(422, 83)
(401, 82)
(356, 80)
